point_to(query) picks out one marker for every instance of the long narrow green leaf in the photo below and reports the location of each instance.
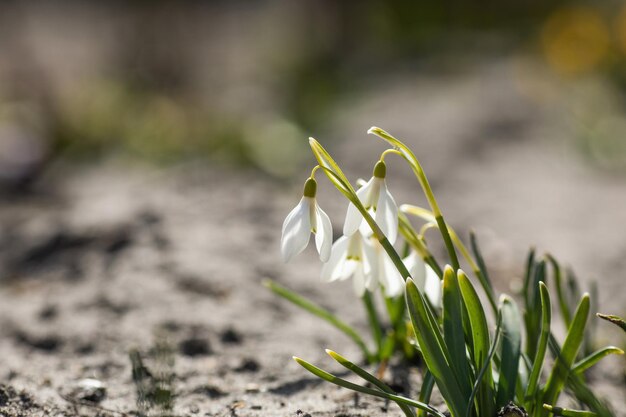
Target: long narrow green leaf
(368, 377)
(425, 391)
(488, 401)
(511, 349)
(453, 329)
(373, 321)
(565, 412)
(409, 156)
(560, 291)
(483, 275)
(563, 364)
(481, 348)
(587, 362)
(532, 312)
(530, 266)
(616, 320)
(585, 396)
(434, 350)
(355, 387)
(530, 395)
(319, 312)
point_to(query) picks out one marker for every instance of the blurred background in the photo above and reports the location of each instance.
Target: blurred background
(149, 151)
(162, 81)
(517, 109)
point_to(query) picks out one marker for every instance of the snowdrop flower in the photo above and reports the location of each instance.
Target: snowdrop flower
(351, 257)
(385, 272)
(305, 218)
(378, 201)
(425, 278)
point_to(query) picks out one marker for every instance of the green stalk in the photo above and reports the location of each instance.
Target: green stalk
(355, 387)
(562, 367)
(423, 180)
(321, 313)
(530, 395)
(368, 377)
(373, 320)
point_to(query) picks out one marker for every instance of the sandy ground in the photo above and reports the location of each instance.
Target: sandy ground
(102, 260)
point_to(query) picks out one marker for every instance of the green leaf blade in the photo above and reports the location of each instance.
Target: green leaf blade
(546, 318)
(481, 343)
(587, 362)
(511, 351)
(573, 340)
(434, 350)
(319, 312)
(453, 333)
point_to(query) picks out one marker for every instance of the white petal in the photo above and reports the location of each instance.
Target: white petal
(433, 287)
(365, 228)
(387, 214)
(338, 254)
(324, 235)
(292, 213)
(296, 230)
(415, 264)
(370, 258)
(359, 282)
(393, 281)
(370, 282)
(353, 217)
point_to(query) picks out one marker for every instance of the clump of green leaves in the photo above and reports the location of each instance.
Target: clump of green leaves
(478, 370)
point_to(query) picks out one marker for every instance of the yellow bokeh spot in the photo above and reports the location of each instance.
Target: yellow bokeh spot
(620, 29)
(575, 40)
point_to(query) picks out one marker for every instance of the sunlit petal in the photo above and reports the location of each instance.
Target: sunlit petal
(365, 228)
(353, 217)
(433, 287)
(324, 235)
(338, 255)
(387, 214)
(359, 282)
(391, 279)
(417, 268)
(296, 230)
(369, 255)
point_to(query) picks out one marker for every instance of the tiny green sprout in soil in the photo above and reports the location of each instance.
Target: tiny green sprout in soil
(433, 315)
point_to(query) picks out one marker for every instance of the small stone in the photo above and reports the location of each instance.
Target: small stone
(90, 390)
(252, 388)
(195, 346)
(248, 365)
(512, 410)
(231, 336)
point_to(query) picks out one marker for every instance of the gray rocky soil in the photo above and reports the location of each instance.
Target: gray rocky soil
(105, 260)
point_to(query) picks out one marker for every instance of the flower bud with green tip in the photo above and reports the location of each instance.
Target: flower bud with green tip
(305, 218)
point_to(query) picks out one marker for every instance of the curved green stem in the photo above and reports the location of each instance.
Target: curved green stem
(408, 155)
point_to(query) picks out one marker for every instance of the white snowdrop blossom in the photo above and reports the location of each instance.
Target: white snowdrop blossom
(385, 272)
(305, 218)
(351, 257)
(425, 278)
(378, 201)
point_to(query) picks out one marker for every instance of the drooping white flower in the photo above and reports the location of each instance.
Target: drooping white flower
(351, 257)
(385, 272)
(305, 218)
(425, 278)
(378, 201)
